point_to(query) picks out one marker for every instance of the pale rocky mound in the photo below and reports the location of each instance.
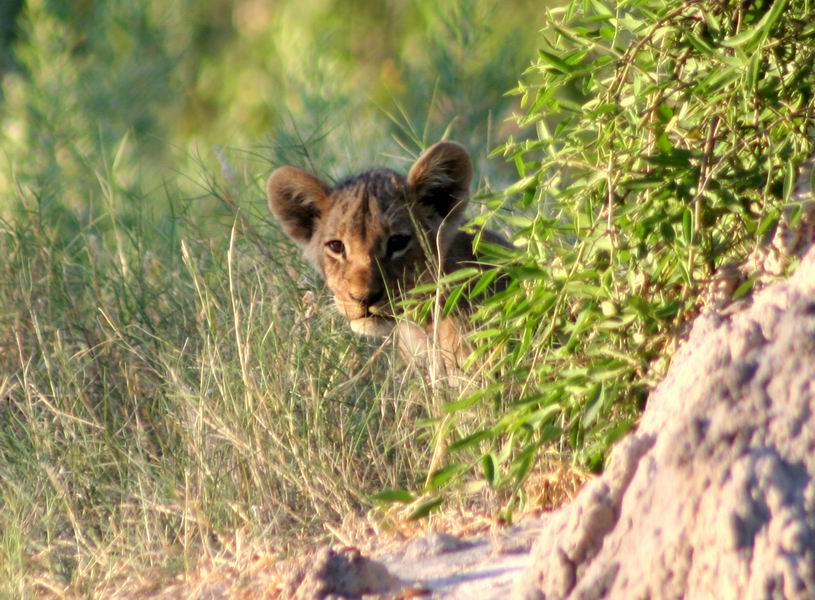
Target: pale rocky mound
(714, 495)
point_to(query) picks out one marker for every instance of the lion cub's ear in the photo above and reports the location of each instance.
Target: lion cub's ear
(440, 179)
(297, 199)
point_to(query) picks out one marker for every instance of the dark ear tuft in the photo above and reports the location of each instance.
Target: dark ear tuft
(440, 179)
(296, 199)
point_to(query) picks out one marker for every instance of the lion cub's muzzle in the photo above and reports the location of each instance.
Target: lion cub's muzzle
(368, 299)
(376, 321)
(368, 314)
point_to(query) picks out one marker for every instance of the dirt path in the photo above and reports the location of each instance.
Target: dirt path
(484, 566)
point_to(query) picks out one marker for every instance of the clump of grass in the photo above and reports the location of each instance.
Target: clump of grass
(170, 371)
(153, 396)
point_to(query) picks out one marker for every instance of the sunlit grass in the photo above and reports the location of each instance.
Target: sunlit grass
(159, 395)
(171, 372)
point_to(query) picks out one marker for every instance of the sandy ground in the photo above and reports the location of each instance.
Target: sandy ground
(483, 566)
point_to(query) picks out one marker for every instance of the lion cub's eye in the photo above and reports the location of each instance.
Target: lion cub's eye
(336, 246)
(397, 243)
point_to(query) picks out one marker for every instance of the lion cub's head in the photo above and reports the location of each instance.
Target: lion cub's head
(365, 234)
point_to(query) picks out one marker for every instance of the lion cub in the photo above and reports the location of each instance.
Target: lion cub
(375, 235)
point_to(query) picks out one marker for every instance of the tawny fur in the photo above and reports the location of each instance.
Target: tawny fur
(377, 234)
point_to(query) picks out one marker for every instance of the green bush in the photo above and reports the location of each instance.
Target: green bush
(663, 140)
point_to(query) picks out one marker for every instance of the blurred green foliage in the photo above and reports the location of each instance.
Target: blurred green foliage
(8, 31)
(179, 77)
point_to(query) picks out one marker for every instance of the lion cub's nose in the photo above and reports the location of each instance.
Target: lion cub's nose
(368, 298)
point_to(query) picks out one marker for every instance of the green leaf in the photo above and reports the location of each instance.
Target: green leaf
(668, 160)
(585, 290)
(495, 250)
(712, 21)
(789, 180)
(483, 283)
(489, 467)
(667, 311)
(471, 440)
(601, 9)
(444, 475)
(425, 507)
(699, 44)
(593, 407)
(616, 432)
(643, 183)
(664, 112)
(470, 399)
(718, 79)
(760, 30)
(535, 418)
(767, 222)
(460, 275)
(452, 300)
(485, 334)
(392, 496)
(424, 289)
(555, 62)
(687, 226)
(521, 465)
(667, 232)
(664, 144)
(754, 70)
(745, 286)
